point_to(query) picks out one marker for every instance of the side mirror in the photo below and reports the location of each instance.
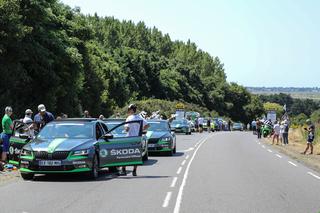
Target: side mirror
(107, 136)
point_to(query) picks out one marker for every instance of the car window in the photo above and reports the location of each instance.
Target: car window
(120, 130)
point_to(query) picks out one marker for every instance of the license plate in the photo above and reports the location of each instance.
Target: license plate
(151, 145)
(50, 163)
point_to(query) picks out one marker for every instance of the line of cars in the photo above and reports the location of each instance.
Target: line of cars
(86, 146)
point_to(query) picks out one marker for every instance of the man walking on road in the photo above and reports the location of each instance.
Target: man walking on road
(259, 126)
(133, 129)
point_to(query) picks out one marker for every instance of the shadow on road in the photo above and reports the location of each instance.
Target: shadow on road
(160, 154)
(142, 176)
(150, 162)
(103, 176)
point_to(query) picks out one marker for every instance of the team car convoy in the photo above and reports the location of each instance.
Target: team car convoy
(87, 145)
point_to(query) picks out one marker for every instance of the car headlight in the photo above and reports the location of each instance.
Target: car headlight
(81, 152)
(25, 152)
(166, 139)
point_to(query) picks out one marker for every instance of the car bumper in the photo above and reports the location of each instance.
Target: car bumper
(66, 166)
(158, 147)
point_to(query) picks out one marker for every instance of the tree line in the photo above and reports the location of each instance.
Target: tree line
(53, 54)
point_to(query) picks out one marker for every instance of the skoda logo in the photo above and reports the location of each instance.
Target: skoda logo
(103, 153)
(11, 150)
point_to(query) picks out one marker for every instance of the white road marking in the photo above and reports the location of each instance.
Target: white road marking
(174, 181)
(187, 157)
(263, 146)
(316, 176)
(167, 200)
(293, 164)
(185, 176)
(183, 162)
(269, 150)
(187, 150)
(279, 156)
(179, 170)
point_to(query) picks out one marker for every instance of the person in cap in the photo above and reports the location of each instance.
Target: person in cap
(101, 117)
(7, 126)
(310, 137)
(133, 129)
(43, 117)
(28, 120)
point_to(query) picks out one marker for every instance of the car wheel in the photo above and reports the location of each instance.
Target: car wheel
(174, 150)
(94, 173)
(27, 176)
(146, 156)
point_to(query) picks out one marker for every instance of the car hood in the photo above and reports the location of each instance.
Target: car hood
(57, 144)
(160, 134)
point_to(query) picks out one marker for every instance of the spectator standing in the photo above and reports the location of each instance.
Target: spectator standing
(43, 117)
(259, 126)
(286, 133)
(28, 120)
(200, 123)
(276, 132)
(310, 137)
(209, 125)
(86, 114)
(7, 126)
(281, 132)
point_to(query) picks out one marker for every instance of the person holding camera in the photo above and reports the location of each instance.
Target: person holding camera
(310, 137)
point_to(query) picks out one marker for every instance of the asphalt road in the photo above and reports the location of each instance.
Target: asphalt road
(217, 172)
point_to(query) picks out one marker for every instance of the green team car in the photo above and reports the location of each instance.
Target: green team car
(181, 126)
(160, 137)
(77, 146)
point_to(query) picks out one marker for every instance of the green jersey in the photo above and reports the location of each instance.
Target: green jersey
(6, 124)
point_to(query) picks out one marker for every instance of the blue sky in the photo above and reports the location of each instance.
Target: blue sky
(260, 42)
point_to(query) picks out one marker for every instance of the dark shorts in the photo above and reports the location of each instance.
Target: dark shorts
(200, 125)
(5, 142)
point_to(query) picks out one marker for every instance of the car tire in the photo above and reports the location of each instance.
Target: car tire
(94, 173)
(174, 150)
(27, 176)
(146, 156)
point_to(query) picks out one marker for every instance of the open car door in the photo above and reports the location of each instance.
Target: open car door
(20, 137)
(119, 149)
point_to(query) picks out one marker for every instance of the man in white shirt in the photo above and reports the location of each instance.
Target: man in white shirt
(133, 130)
(276, 129)
(28, 120)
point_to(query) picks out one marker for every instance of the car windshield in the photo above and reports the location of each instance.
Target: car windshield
(158, 126)
(175, 122)
(237, 124)
(67, 130)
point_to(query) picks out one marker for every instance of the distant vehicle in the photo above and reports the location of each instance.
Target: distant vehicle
(160, 137)
(237, 127)
(216, 124)
(80, 146)
(181, 126)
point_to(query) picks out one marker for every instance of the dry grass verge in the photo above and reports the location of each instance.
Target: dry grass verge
(297, 144)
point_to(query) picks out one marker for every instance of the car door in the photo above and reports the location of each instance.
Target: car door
(122, 150)
(19, 138)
